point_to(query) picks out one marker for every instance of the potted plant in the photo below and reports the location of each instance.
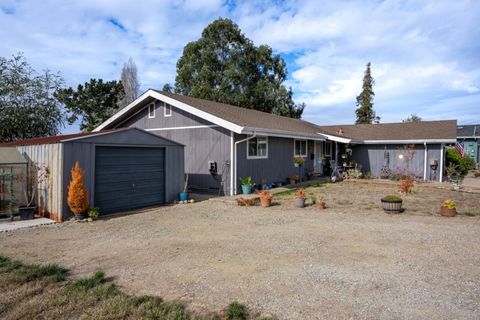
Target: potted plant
(246, 185)
(321, 160)
(392, 204)
(183, 196)
(448, 208)
(77, 198)
(293, 179)
(265, 198)
(93, 213)
(300, 198)
(298, 161)
(451, 170)
(320, 204)
(457, 184)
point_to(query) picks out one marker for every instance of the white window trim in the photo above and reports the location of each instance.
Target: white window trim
(295, 149)
(149, 113)
(325, 148)
(258, 157)
(165, 114)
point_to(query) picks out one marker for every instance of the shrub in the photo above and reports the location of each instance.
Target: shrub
(36, 272)
(243, 202)
(406, 185)
(392, 199)
(77, 198)
(93, 213)
(464, 163)
(237, 310)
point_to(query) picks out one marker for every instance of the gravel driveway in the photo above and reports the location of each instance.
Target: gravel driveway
(337, 263)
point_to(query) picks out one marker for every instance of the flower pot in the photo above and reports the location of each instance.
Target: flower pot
(265, 202)
(456, 186)
(392, 206)
(293, 181)
(446, 212)
(321, 205)
(300, 203)
(296, 165)
(183, 196)
(246, 189)
(26, 213)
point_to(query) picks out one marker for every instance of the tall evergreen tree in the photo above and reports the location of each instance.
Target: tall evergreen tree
(365, 112)
(224, 66)
(28, 108)
(94, 102)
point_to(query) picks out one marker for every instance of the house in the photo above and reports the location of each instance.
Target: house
(469, 137)
(224, 142)
(124, 169)
(374, 146)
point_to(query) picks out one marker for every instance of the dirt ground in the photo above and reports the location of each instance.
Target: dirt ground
(350, 261)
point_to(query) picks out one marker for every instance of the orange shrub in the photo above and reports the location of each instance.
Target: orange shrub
(77, 198)
(406, 185)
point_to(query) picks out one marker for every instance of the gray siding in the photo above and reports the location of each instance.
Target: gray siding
(203, 144)
(371, 158)
(49, 196)
(277, 167)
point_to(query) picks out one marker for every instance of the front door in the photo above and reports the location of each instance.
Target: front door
(318, 163)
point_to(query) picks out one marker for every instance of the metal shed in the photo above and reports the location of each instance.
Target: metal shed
(124, 169)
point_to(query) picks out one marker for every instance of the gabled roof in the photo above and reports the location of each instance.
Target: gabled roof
(404, 132)
(236, 119)
(77, 136)
(468, 131)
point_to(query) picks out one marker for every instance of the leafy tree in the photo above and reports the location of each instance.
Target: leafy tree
(28, 108)
(412, 118)
(364, 112)
(224, 66)
(130, 82)
(167, 87)
(94, 102)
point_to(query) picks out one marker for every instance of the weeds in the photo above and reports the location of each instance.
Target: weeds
(468, 214)
(237, 311)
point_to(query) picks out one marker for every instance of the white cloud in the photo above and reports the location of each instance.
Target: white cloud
(424, 54)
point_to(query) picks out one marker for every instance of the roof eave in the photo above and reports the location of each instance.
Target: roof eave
(281, 133)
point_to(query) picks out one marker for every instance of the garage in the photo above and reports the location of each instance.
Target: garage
(124, 169)
(128, 178)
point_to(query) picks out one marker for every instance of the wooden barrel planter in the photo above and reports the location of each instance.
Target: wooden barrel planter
(392, 204)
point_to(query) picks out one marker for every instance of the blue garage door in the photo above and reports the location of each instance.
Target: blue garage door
(128, 178)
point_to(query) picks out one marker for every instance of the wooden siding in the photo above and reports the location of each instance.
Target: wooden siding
(371, 158)
(277, 167)
(202, 145)
(49, 199)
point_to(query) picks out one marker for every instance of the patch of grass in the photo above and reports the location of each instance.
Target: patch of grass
(27, 296)
(237, 311)
(469, 213)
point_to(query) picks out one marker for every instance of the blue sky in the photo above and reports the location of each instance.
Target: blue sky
(425, 55)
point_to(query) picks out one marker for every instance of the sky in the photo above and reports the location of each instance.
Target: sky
(425, 55)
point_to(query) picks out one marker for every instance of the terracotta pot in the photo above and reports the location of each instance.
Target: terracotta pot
(444, 211)
(321, 205)
(266, 202)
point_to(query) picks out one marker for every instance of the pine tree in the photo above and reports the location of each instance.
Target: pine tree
(77, 198)
(364, 112)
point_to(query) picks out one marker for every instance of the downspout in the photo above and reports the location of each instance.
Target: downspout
(442, 153)
(235, 160)
(232, 146)
(425, 162)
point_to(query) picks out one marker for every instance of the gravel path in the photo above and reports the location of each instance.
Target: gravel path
(294, 263)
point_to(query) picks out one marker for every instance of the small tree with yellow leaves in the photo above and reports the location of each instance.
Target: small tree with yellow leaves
(77, 192)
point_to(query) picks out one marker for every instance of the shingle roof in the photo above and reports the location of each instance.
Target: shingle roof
(248, 118)
(472, 130)
(438, 130)
(51, 139)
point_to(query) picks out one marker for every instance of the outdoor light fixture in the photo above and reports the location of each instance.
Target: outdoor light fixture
(400, 156)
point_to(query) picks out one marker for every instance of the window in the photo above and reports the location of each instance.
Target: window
(300, 148)
(151, 110)
(257, 148)
(327, 151)
(167, 110)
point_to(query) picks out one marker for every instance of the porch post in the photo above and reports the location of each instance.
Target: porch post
(442, 154)
(425, 162)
